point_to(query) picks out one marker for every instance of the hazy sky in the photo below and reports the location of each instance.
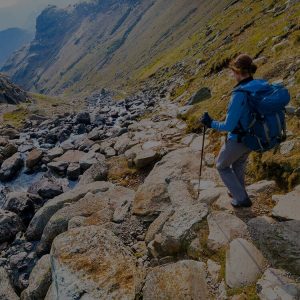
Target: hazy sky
(22, 13)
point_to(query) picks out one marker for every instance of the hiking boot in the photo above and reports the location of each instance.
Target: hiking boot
(246, 203)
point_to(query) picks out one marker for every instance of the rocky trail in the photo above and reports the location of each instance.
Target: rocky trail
(103, 205)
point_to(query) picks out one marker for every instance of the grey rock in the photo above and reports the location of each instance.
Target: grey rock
(41, 218)
(39, 281)
(244, 264)
(145, 158)
(163, 282)
(180, 229)
(73, 171)
(223, 228)
(100, 268)
(10, 225)
(288, 206)
(6, 290)
(21, 204)
(10, 167)
(275, 284)
(97, 172)
(279, 242)
(201, 95)
(33, 158)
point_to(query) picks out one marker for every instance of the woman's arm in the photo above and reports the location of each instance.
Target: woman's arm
(235, 109)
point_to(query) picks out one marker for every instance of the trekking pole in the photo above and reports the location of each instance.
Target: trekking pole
(201, 159)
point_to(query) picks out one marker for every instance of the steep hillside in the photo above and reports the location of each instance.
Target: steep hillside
(10, 93)
(96, 44)
(11, 40)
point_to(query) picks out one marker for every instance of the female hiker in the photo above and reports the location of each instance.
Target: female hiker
(232, 159)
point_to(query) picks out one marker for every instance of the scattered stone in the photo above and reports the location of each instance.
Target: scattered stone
(10, 225)
(10, 167)
(73, 171)
(213, 269)
(275, 284)
(145, 158)
(33, 159)
(179, 193)
(6, 290)
(287, 147)
(83, 118)
(39, 281)
(244, 263)
(100, 268)
(194, 249)
(58, 167)
(55, 152)
(262, 187)
(97, 172)
(21, 204)
(223, 228)
(163, 282)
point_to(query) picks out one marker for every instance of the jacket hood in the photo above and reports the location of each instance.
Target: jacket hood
(255, 85)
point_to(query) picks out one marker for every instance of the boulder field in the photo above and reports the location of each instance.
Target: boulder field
(114, 214)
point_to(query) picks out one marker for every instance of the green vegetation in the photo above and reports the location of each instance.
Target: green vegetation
(17, 117)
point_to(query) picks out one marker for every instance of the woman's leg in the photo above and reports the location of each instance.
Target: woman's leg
(230, 153)
(239, 168)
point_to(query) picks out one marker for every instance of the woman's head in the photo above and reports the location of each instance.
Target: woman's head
(242, 67)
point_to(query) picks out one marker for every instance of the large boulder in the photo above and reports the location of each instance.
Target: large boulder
(179, 229)
(11, 167)
(279, 242)
(276, 284)
(102, 202)
(41, 218)
(10, 225)
(152, 196)
(6, 290)
(39, 281)
(185, 279)
(201, 95)
(223, 228)
(93, 262)
(244, 263)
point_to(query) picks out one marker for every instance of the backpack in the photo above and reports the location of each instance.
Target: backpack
(267, 126)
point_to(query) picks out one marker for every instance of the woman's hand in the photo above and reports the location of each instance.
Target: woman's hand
(206, 120)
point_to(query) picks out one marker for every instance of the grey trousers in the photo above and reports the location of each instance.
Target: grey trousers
(231, 164)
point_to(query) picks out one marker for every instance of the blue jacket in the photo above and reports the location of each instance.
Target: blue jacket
(238, 112)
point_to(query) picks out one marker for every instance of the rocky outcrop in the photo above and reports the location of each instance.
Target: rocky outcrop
(100, 268)
(10, 93)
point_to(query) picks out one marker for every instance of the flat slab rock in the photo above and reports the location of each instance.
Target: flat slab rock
(93, 262)
(164, 282)
(288, 206)
(223, 228)
(244, 263)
